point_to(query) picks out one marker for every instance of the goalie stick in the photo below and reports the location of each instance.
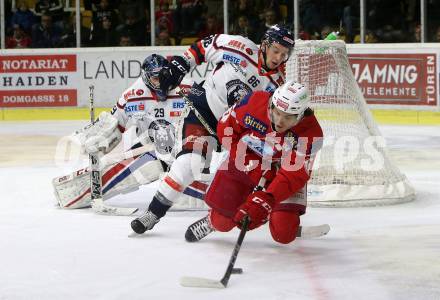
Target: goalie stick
(97, 202)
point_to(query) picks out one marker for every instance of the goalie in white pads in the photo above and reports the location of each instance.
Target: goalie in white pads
(154, 113)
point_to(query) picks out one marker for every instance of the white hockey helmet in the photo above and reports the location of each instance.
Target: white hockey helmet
(291, 97)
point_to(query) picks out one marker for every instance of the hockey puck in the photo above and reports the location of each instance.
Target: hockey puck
(237, 271)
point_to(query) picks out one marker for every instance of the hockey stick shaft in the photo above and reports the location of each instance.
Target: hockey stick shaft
(191, 106)
(244, 228)
(306, 232)
(95, 178)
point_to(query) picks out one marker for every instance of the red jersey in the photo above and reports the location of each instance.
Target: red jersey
(255, 146)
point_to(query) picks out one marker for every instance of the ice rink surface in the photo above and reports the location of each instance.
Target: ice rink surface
(375, 253)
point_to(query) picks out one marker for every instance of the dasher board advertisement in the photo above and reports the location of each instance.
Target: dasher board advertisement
(397, 78)
(389, 76)
(48, 80)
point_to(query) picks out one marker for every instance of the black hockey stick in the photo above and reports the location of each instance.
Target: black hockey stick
(230, 268)
(223, 283)
(191, 106)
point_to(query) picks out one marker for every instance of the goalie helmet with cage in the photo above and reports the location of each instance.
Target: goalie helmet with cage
(292, 98)
(280, 34)
(150, 70)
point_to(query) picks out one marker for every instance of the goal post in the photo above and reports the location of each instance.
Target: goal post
(353, 168)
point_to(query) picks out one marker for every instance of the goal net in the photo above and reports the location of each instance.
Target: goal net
(353, 168)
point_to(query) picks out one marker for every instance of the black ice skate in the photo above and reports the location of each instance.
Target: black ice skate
(144, 222)
(198, 230)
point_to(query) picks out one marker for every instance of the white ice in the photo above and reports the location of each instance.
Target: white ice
(370, 253)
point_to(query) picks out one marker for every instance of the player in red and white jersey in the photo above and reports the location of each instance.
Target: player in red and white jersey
(272, 136)
(240, 67)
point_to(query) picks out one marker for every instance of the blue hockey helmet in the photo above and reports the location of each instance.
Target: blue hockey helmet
(280, 34)
(150, 70)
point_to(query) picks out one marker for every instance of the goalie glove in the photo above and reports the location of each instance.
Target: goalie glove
(102, 136)
(258, 206)
(171, 75)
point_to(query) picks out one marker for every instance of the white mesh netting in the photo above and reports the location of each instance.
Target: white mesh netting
(353, 168)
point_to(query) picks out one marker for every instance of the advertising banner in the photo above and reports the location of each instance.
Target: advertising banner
(38, 80)
(387, 75)
(404, 79)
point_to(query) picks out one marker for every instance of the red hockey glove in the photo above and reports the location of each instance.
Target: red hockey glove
(258, 207)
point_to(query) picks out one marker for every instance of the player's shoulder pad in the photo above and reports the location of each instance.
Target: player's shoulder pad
(255, 98)
(236, 43)
(250, 102)
(137, 91)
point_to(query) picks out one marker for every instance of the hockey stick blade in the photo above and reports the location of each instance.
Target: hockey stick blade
(304, 232)
(310, 232)
(99, 207)
(198, 282)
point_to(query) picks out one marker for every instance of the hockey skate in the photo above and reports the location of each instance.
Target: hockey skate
(144, 222)
(198, 230)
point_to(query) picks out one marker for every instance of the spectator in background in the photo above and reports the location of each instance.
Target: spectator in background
(105, 36)
(416, 33)
(19, 38)
(388, 34)
(125, 40)
(163, 39)
(188, 16)
(311, 16)
(45, 34)
(164, 17)
(132, 27)
(243, 28)
(264, 5)
(138, 6)
(270, 19)
(103, 10)
(68, 35)
(437, 35)
(146, 27)
(325, 31)
(212, 26)
(50, 7)
(243, 8)
(183, 16)
(23, 17)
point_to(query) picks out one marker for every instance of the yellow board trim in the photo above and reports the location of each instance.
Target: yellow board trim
(31, 114)
(382, 116)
